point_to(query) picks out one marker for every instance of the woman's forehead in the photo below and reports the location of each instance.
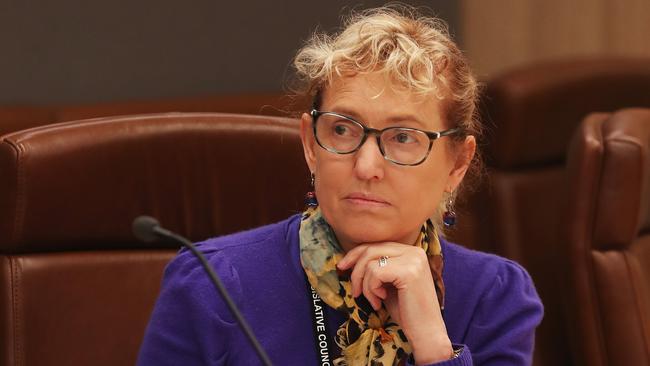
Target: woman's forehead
(374, 96)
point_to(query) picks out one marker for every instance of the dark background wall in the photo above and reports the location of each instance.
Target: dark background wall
(76, 51)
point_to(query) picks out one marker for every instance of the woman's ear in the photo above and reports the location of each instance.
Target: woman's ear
(308, 141)
(463, 157)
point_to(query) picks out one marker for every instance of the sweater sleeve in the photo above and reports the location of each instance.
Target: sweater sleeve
(188, 325)
(502, 329)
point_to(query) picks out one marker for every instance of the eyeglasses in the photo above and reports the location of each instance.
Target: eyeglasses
(341, 134)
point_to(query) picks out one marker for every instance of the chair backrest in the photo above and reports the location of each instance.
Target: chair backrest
(608, 229)
(531, 114)
(76, 287)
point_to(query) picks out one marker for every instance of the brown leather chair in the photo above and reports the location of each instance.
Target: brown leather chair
(76, 288)
(608, 231)
(530, 115)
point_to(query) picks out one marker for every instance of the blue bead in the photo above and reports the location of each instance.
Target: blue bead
(449, 218)
(310, 199)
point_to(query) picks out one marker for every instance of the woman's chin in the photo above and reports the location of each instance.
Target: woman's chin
(354, 228)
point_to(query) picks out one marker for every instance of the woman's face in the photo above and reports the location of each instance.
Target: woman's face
(364, 197)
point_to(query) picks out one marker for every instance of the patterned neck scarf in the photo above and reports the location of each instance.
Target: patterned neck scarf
(367, 337)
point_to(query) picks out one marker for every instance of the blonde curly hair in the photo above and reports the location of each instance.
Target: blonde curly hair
(415, 51)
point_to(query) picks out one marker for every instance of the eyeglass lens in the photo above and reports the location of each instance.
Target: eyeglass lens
(401, 145)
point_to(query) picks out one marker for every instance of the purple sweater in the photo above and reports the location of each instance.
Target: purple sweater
(491, 310)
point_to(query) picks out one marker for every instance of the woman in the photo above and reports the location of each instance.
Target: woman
(389, 140)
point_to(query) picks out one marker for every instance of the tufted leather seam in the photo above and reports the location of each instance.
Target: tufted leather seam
(639, 306)
(631, 142)
(598, 312)
(15, 295)
(19, 206)
(596, 184)
(20, 194)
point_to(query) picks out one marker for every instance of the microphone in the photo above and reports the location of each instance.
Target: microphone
(148, 230)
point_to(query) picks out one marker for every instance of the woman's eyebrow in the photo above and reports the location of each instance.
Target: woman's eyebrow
(345, 111)
(411, 119)
(392, 120)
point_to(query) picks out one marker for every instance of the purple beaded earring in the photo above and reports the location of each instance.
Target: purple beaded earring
(449, 216)
(310, 197)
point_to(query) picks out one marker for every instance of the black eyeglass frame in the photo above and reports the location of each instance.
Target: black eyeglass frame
(367, 130)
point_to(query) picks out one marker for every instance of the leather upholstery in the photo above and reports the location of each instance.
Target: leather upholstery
(198, 173)
(530, 114)
(77, 308)
(536, 108)
(76, 288)
(608, 241)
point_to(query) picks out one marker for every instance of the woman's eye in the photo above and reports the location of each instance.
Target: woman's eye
(403, 138)
(341, 130)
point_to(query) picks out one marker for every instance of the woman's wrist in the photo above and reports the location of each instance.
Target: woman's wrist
(432, 352)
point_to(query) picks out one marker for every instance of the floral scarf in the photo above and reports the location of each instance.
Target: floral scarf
(368, 337)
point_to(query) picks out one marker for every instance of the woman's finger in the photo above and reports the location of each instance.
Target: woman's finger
(357, 276)
(391, 301)
(374, 285)
(351, 257)
(372, 250)
(367, 257)
(373, 299)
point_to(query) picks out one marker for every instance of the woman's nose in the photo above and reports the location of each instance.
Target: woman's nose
(369, 162)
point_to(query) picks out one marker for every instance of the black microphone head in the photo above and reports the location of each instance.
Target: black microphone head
(143, 228)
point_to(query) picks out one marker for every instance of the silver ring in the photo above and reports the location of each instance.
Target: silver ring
(383, 261)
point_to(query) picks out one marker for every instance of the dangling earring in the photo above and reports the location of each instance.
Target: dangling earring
(449, 216)
(310, 197)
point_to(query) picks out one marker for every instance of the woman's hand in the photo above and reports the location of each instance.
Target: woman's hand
(406, 287)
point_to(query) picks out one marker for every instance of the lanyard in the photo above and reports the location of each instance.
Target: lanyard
(324, 352)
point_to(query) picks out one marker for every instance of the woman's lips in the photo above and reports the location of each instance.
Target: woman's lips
(366, 200)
